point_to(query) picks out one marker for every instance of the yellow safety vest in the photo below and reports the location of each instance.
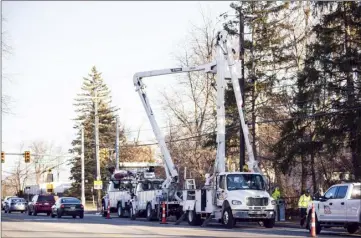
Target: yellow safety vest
(304, 200)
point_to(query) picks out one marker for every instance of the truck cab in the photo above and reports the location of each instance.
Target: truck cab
(340, 206)
(236, 197)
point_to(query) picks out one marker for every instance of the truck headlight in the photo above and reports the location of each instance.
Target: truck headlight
(273, 202)
(235, 202)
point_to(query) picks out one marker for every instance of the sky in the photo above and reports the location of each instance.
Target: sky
(55, 44)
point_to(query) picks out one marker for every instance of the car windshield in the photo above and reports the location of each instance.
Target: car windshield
(46, 199)
(245, 181)
(70, 200)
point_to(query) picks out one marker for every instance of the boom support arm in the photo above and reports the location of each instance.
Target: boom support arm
(222, 41)
(171, 172)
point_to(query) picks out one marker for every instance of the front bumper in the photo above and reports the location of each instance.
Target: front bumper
(256, 215)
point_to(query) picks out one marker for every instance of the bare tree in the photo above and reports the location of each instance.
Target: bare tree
(6, 51)
(191, 107)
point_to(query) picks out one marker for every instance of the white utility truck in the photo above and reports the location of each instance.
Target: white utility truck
(233, 196)
(124, 183)
(340, 206)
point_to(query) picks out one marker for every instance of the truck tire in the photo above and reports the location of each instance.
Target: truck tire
(352, 228)
(149, 212)
(131, 212)
(120, 210)
(269, 223)
(193, 218)
(227, 218)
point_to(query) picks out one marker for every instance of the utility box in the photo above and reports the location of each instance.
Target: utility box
(280, 210)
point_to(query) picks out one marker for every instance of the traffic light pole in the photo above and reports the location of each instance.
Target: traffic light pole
(82, 168)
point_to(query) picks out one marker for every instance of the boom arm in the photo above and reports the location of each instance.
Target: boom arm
(222, 40)
(171, 172)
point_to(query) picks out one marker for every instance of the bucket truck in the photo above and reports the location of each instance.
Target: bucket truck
(123, 182)
(233, 196)
(149, 201)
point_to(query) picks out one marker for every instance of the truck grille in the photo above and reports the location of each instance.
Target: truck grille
(257, 201)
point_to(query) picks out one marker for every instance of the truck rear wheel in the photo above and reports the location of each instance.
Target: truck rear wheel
(131, 212)
(150, 212)
(193, 218)
(120, 210)
(227, 217)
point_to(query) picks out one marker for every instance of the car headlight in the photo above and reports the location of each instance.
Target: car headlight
(235, 202)
(273, 202)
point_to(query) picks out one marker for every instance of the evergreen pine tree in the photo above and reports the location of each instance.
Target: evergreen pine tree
(84, 104)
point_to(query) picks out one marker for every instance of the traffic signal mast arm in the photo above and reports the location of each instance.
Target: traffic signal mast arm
(171, 171)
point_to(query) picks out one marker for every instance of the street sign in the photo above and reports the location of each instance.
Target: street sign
(98, 184)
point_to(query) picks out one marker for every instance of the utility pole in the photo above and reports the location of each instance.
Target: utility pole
(82, 168)
(117, 144)
(96, 128)
(242, 155)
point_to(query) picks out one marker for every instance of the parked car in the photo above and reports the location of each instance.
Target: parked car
(67, 206)
(15, 204)
(41, 204)
(4, 201)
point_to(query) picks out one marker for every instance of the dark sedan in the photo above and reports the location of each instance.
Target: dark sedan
(67, 206)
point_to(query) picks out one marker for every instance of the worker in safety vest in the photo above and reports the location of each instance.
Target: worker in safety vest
(276, 194)
(245, 168)
(303, 204)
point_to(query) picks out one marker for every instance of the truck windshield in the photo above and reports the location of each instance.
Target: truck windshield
(245, 181)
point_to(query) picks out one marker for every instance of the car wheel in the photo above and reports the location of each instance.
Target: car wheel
(52, 215)
(29, 212)
(9, 211)
(22, 211)
(48, 214)
(81, 216)
(35, 213)
(6, 211)
(74, 216)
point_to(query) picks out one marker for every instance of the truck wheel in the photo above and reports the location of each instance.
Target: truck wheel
(120, 210)
(131, 212)
(150, 213)
(352, 228)
(104, 210)
(269, 223)
(227, 217)
(193, 218)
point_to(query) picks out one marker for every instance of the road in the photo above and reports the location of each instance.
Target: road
(22, 225)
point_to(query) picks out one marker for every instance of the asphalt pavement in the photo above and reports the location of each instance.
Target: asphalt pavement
(22, 225)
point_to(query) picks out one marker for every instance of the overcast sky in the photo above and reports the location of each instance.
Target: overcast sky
(55, 44)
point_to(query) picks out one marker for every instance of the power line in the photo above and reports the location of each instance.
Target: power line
(258, 122)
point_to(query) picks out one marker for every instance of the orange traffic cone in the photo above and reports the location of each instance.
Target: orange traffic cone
(164, 221)
(108, 211)
(313, 222)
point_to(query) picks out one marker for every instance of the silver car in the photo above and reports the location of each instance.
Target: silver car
(5, 200)
(16, 205)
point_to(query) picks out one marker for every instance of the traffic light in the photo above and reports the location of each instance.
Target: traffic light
(27, 156)
(2, 157)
